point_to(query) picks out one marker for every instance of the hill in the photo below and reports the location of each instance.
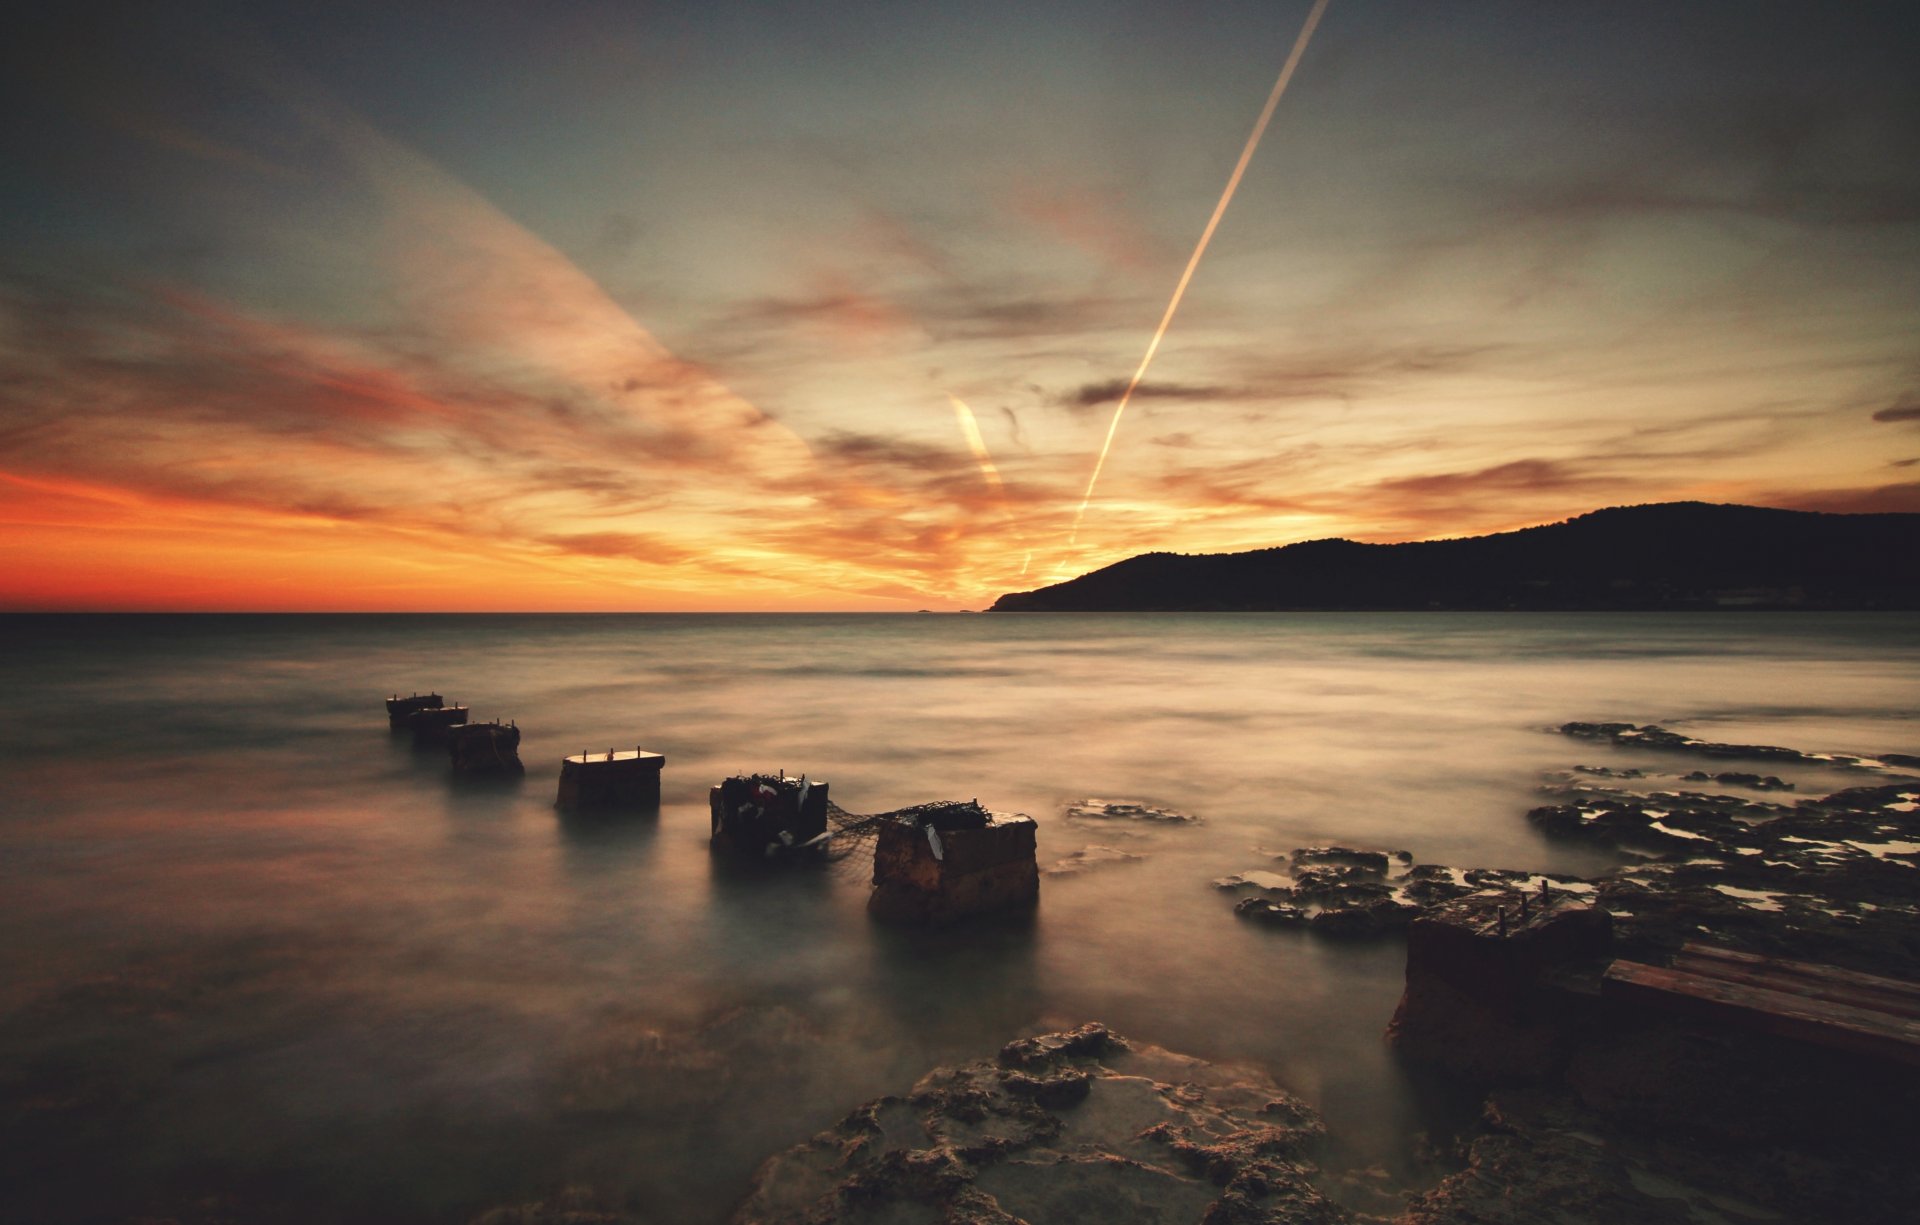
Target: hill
(1676, 555)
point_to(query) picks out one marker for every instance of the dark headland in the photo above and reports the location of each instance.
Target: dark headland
(1670, 556)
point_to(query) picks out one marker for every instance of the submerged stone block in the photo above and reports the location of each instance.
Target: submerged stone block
(942, 862)
(398, 708)
(485, 748)
(766, 816)
(430, 723)
(615, 779)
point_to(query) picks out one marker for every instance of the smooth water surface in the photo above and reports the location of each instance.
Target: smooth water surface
(255, 948)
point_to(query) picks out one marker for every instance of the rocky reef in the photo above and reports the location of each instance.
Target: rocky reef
(1829, 878)
(1072, 1126)
(1701, 1033)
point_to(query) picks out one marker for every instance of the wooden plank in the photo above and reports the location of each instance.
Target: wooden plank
(1803, 978)
(1821, 1022)
(1892, 995)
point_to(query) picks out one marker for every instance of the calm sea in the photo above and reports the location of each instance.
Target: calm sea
(259, 957)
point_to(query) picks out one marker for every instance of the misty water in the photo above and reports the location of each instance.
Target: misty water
(254, 947)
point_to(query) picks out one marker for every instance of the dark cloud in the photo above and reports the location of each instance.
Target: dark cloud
(1092, 395)
(1906, 410)
(1521, 475)
(1013, 425)
(848, 446)
(634, 545)
(1349, 371)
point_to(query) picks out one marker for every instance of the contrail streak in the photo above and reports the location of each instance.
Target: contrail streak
(1206, 236)
(975, 443)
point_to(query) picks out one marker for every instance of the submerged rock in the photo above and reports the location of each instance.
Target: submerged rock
(1834, 878)
(1127, 810)
(1653, 736)
(1355, 893)
(1076, 1126)
(1088, 858)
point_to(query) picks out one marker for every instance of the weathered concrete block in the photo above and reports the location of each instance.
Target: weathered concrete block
(765, 816)
(615, 779)
(485, 748)
(430, 723)
(1487, 990)
(398, 708)
(939, 863)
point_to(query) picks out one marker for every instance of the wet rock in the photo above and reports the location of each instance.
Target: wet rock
(939, 863)
(1088, 858)
(1274, 884)
(572, 1206)
(1652, 736)
(1267, 910)
(1375, 862)
(1833, 878)
(1092, 1040)
(1126, 811)
(1759, 782)
(1077, 1126)
(1343, 892)
(1610, 772)
(1532, 1163)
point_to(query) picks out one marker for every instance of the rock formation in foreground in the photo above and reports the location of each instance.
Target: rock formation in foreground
(1075, 1126)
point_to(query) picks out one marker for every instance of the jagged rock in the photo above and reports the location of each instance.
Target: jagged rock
(1652, 736)
(1610, 772)
(1266, 910)
(1078, 1126)
(1759, 782)
(1126, 810)
(1092, 1040)
(1340, 891)
(1375, 862)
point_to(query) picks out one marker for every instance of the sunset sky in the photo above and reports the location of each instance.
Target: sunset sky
(827, 306)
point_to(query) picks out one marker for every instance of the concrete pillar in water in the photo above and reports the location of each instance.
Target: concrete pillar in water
(941, 862)
(398, 708)
(1497, 993)
(617, 780)
(768, 816)
(485, 748)
(430, 723)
